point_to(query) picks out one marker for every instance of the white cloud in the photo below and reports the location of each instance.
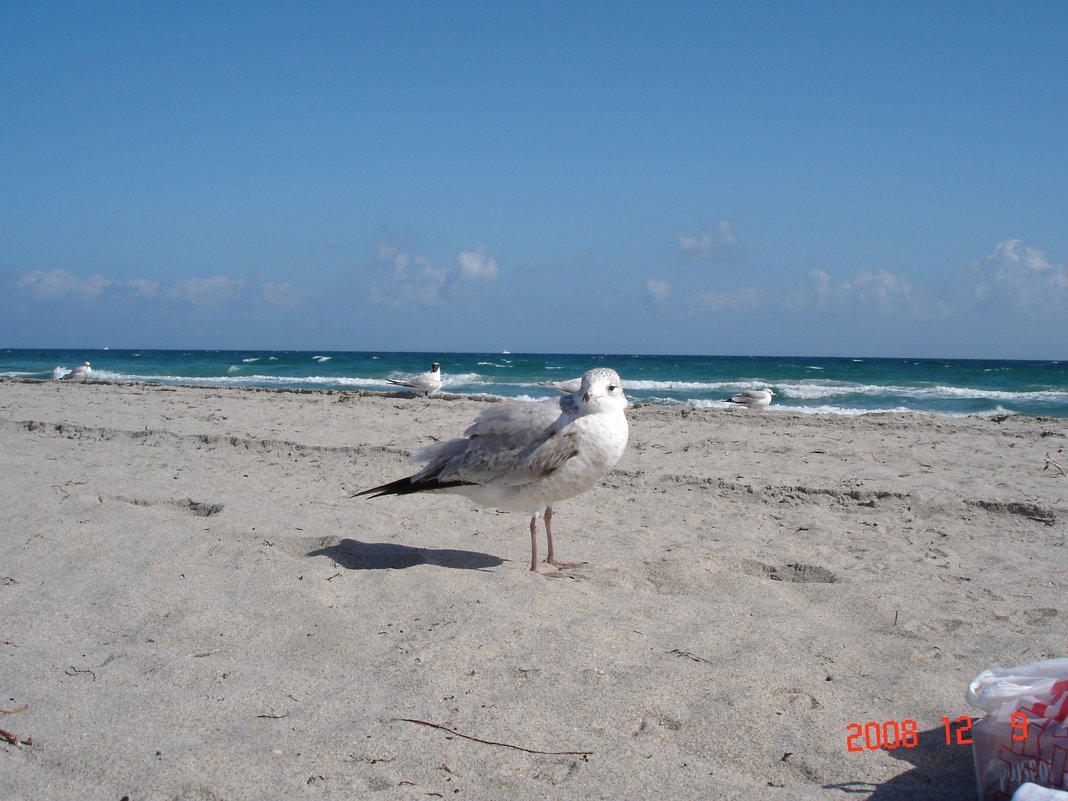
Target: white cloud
(822, 282)
(888, 291)
(57, 284)
(726, 231)
(699, 247)
(477, 265)
(213, 291)
(209, 292)
(706, 247)
(280, 293)
(884, 290)
(404, 264)
(142, 288)
(1020, 275)
(660, 291)
(409, 279)
(740, 300)
(1014, 256)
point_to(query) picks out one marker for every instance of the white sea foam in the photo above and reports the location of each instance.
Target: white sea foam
(244, 380)
(696, 386)
(814, 391)
(462, 379)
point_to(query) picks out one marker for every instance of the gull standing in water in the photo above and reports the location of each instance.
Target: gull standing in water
(82, 371)
(752, 398)
(525, 456)
(426, 383)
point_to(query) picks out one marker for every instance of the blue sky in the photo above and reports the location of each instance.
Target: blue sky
(824, 178)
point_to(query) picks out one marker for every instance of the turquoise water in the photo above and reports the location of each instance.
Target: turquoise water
(816, 385)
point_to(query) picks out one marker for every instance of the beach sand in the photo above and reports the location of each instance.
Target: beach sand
(195, 608)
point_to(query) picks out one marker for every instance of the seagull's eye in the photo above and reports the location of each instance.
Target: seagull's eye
(612, 387)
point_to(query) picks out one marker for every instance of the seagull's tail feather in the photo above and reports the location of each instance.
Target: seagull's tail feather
(405, 486)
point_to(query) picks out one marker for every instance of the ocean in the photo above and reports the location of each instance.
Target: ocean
(810, 385)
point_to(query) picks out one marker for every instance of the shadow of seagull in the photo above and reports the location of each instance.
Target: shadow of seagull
(939, 773)
(356, 555)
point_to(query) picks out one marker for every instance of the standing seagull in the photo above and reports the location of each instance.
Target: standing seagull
(82, 371)
(526, 456)
(424, 382)
(752, 398)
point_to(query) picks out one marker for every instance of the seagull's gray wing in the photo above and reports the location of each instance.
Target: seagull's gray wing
(521, 419)
(568, 386)
(746, 396)
(507, 445)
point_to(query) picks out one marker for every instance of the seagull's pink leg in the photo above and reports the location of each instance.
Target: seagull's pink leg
(534, 543)
(549, 557)
(549, 534)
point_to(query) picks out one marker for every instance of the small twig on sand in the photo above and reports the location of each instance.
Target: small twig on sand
(1049, 521)
(494, 742)
(687, 654)
(1051, 462)
(14, 739)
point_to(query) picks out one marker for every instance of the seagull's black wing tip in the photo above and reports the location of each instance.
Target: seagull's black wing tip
(405, 486)
(402, 486)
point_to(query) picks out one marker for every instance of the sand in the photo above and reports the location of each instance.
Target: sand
(195, 608)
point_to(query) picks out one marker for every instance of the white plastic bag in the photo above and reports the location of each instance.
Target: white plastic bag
(1024, 735)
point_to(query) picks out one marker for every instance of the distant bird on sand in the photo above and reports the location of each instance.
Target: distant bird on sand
(426, 383)
(82, 371)
(752, 398)
(525, 456)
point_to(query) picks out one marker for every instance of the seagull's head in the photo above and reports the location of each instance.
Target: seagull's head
(602, 390)
(435, 368)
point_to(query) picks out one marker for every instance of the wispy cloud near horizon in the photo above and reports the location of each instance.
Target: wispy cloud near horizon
(213, 292)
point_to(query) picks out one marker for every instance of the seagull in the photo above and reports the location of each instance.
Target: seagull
(525, 456)
(80, 372)
(567, 387)
(752, 398)
(426, 383)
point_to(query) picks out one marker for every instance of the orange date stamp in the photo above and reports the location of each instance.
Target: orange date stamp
(890, 734)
